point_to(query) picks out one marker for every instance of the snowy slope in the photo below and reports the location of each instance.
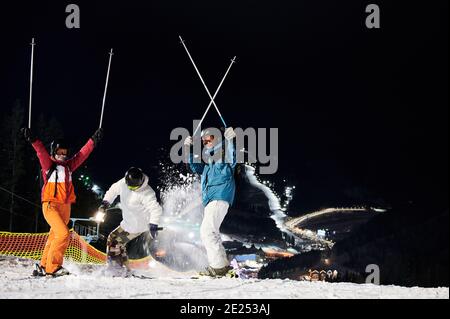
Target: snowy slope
(15, 282)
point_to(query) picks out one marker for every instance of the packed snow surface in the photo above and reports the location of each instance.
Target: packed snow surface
(88, 282)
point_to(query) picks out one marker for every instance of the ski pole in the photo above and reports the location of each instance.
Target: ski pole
(106, 87)
(203, 82)
(217, 91)
(31, 81)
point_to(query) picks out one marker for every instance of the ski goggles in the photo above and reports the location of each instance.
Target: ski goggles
(133, 188)
(61, 151)
(207, 140)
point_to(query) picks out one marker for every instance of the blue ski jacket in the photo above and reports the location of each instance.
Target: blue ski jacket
(217, 177)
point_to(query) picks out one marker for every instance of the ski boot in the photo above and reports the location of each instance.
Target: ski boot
(117, 264)
(39, 271)
(59, 272)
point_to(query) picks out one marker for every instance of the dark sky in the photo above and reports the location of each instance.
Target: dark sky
(368, 107)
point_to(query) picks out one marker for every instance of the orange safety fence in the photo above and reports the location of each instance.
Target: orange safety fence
(31, 246)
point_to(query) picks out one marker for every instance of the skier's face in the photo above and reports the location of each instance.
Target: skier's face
(208, 141)
(61, 154)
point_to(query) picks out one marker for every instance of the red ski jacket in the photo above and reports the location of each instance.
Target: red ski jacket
(58, 186)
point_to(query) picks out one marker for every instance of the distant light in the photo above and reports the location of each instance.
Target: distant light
(99, 217)
(191, 235)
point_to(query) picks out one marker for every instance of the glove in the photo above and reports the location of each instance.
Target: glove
(229, 133)
(188, 141)
(98, 135)
(153, 230)
(104, 206)
(29, 137)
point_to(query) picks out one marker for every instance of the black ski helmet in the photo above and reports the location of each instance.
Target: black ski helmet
(134, 177)
(56, 144)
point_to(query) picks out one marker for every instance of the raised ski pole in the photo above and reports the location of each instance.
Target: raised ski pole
(203, 82)
(217, 91)
(31, 82)
(106, 87)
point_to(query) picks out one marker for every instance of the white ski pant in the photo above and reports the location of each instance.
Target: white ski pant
(213, 217)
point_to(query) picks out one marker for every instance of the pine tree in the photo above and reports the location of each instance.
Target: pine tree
(20, 171)
(12, 157)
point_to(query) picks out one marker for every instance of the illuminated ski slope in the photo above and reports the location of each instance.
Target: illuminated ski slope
(299, 220)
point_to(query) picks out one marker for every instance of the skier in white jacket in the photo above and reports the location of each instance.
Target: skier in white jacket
(140, 212)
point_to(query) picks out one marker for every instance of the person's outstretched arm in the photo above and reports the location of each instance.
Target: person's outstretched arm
(152, 207)
(195, 167)
(112, 193)
(78, 159)
(230, 155)
(41, 152)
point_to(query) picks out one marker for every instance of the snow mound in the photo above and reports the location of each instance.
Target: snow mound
(16, 282)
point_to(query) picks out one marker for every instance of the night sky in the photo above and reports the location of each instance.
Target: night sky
(353, 105)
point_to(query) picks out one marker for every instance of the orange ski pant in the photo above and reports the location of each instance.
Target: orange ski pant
(57, 216)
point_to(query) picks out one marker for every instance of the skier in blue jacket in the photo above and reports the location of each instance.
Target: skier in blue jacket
(218, 189)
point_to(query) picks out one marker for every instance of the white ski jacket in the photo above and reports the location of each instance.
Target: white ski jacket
(139, 207)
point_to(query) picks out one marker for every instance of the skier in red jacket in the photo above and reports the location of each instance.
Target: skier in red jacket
(57, 196)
